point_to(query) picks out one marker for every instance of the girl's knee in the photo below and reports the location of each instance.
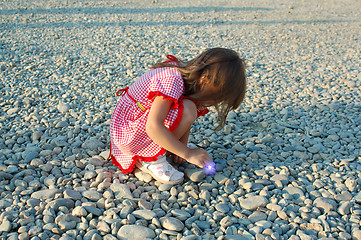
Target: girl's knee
(189, 110)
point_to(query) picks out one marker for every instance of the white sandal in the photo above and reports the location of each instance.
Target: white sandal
(161, 170)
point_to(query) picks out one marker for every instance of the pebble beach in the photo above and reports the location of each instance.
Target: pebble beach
(288, 160)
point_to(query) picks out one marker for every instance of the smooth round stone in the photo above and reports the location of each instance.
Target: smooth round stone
(36, 135)
(181, 214)
(29, 156)
(103, 227)
(296, 193)
(223, 208)
(172, 224)
(66, 225)
(326, 204)
(121, 190)
(72, 194)
(220, 178)
(93, 144)
(253, 203)
(144, 214)
(264, 224)
(89, 175)
(66, 218)
(32, 202)
(45, 153)
(203, 225)
(195, 174)
(63, 107)
(92, 195)
(66, 202)
(143, 204)
(142, 176)
(356, 234)
(257, 216)
(5, 203)
(129, 231)
(62, 124)
(79, 211)
(226, 221)
(5, 226)
(95, 211)
(165, 187)
(12, 169)
(45, 194)
(284, 179)
(344, 208)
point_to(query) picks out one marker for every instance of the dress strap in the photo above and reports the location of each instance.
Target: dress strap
(121, 92)
(171, 59)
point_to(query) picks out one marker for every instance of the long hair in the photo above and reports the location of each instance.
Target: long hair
(224, 69)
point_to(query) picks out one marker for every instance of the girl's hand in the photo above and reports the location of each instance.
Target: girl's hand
(198, 157)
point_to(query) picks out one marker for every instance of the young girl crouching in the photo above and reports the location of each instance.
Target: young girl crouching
(155, 114)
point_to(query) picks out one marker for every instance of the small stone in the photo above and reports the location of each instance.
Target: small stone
(171, 223)
(226, 221)
(92, 195)
(142, 176)
(89, 175)
(144, 204)
(296, 193)
(5, 203)
(195, 174)
(144, 214)
(121, 190)
(93, 143)
(45, 194)
(72, 194)
(55, 204)
(257, 216)
(344, 208)
(95, 211)
(79, 211)
(129, 231)
(181, 214)
(66, 225)
(62, 124)
(63, 107)
(223, 208)
(326, 204)
(5, 226)
(253, 203)
(356, 234)
(103, 227)
(220, 178)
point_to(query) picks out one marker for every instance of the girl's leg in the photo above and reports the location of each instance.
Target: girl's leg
(182, 131)
(188, 118)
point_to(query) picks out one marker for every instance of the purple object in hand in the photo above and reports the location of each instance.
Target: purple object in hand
(210, 168)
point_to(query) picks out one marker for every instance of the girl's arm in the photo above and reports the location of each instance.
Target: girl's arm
(163, 137)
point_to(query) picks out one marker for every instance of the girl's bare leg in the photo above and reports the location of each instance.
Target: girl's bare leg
(183, 130)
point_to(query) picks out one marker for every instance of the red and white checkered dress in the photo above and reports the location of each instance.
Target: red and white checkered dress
(129, 140)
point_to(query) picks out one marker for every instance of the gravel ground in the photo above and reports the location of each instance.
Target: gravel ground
(288, 159)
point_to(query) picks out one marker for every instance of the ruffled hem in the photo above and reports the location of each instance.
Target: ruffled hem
(135, 158)
(153, 95)
(162, 150)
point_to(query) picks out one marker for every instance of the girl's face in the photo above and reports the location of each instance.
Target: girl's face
(206, 95)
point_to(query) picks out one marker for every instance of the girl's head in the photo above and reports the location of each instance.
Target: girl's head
(216, 77)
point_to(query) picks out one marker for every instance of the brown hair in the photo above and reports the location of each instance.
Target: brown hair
(224, 69)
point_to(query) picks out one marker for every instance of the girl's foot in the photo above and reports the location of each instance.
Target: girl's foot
(161, 170)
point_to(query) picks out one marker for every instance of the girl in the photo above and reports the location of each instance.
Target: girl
(156, 113)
